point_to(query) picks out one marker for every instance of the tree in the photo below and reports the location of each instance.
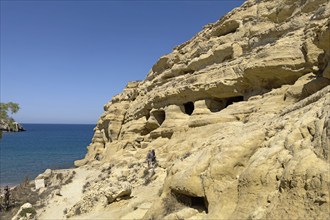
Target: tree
(5, 108)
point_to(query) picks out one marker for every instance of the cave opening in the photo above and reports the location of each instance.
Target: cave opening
(159, 116)
(147, 114)
(189, 108)
(199, 203)
(231, 100)
(215, 105)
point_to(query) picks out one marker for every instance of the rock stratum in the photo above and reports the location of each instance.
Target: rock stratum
(239, 120)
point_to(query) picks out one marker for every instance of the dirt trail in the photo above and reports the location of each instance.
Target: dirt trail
(71, 194)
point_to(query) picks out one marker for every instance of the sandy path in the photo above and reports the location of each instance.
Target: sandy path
(71, 194)
(133, 208)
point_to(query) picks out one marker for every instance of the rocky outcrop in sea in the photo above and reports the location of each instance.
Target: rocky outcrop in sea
(10, 126)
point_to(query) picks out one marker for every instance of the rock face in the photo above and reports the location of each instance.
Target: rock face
(10, 126)
(239, 117)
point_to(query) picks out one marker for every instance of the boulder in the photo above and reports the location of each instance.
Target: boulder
(26, 212)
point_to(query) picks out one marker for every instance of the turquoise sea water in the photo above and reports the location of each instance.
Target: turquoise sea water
(42, 146)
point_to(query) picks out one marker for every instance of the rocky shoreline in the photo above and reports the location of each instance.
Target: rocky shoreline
(10, 126)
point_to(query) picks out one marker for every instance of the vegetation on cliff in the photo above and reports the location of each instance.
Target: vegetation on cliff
(7, 123)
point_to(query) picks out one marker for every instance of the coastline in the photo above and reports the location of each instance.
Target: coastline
(10, 185)
(28, 192)
(41, 147)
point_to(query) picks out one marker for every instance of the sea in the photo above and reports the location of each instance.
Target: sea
(42, 146)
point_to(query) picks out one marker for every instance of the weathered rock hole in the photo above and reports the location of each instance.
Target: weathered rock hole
(226, 28)
(188, 71)
(189, 108)
(226, 58)
(148, 115)
(215, 105)
(199, 203)
(159, 116)
(231, 100)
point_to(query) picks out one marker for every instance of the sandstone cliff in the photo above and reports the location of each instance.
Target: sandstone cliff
(238, 117)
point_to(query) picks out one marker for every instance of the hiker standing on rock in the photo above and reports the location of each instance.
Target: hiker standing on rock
(151, 158)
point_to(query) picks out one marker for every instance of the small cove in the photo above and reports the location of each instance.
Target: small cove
(42, 146)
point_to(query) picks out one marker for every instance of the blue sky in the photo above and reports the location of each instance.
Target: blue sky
(63, 60)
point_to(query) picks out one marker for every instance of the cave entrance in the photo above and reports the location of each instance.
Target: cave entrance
(215, 105)
(148, 114)
(199, 203)
(189, 108)
(231, 100)
(159, 116)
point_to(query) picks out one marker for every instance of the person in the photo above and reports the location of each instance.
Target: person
(151, 158)
(7, 198)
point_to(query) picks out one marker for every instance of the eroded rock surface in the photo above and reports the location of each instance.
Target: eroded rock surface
(238, 117)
